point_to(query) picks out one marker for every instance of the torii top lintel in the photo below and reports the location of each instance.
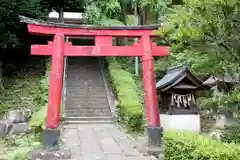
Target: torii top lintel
(51, 28)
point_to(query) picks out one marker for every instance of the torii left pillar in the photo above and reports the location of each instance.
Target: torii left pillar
(52, 132)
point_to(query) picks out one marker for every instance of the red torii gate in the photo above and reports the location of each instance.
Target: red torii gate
(58, 48)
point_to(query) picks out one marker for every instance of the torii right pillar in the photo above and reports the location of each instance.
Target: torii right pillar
(155, 130)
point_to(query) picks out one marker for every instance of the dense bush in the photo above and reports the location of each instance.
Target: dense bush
(21, 145)
(37, 121)
(129, 108)
(188, 146)
(231, 133)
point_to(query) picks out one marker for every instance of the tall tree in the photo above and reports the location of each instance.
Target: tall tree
(207, 37)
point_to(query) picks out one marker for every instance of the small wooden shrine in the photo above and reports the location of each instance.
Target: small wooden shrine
(177, 91)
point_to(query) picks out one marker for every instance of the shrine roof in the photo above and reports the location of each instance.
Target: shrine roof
(212, 81)
(62, 25)
(175, 76)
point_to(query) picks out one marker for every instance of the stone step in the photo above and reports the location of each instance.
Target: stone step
(76, 106)
(87, 110)
(89, 97)
(82, 102)
(99, 108)
(100, 118)
(82, 86)
(87, 100)
(87, 114)
(88, 122)
(85, 82)
(85, 73)
(81, 90)
(74, 112)
(78, 94)
(82, 81)
(90, 109)
(84, 77)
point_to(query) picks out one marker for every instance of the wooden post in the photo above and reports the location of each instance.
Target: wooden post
(51, 136)
(154, 128)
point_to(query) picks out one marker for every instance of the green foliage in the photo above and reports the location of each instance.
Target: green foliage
(225, 103)
(99, 12)
(37, 122)
(38, 119)
(129, 108)
(189, 146)
(206, 35)
(19, 154)
(22, 89)
(231, 133)
(44, 83)
(12, 32)
(21, 145)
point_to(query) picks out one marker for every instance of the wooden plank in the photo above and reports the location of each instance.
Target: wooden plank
(50, 30)
(70, 50)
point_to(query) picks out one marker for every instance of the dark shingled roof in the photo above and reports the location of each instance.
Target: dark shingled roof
(174, 75)
(62, 25)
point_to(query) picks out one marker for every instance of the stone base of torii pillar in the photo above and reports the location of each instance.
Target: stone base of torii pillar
(152, 144)
(51, 138)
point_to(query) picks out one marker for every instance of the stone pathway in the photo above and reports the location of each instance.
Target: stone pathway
(99, 142)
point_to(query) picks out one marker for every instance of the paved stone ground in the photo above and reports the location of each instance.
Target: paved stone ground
(99, 142)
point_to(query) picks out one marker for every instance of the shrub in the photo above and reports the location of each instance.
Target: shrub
(129, 108)
(231, 133)
(38, 119)
(189, 146)
(22, 145)
(37, 122)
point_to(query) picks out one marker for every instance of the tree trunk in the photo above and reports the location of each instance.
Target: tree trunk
(61, 15)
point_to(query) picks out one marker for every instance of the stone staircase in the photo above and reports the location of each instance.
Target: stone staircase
(86, 98)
